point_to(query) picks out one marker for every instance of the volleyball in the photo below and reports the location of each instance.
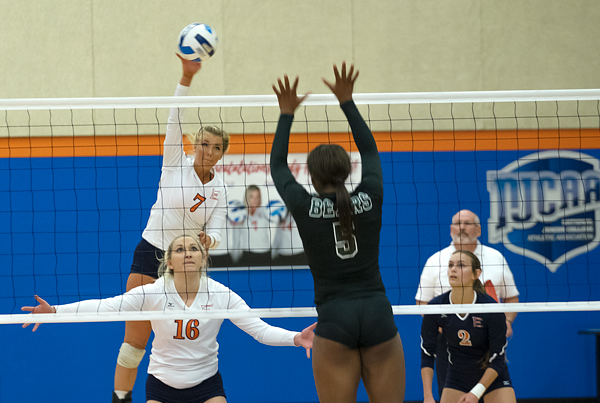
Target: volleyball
(197, 42)
(236, 212)
(277, 211)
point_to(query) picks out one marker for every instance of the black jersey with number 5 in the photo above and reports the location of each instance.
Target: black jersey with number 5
(340, 265)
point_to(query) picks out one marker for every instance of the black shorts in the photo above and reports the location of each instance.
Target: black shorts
(357, 322)
(463, 381)
(146, 259)
(211, 387)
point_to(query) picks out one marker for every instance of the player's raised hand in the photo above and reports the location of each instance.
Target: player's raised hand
(286, 95)
(344, 82)
(189, 69)
(43, 307)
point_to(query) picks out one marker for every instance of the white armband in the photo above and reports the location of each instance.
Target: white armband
(478, 390)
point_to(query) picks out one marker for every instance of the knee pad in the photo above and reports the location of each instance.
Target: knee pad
(129, 356)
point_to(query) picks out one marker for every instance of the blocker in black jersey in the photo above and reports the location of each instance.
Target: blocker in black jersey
(356, 336)
(340, 267)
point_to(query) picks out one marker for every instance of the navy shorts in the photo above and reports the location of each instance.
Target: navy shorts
(209, 388)
(357, 322)
(463, 381)
(146, 259)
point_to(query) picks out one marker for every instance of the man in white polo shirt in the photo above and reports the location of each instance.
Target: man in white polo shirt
(495, 276)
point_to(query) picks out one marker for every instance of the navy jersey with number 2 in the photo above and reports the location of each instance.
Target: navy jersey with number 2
(469, 338)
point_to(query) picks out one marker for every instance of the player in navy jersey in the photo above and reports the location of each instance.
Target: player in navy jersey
(476, 343)
(184, 365)
(356, 336)
(191, 200)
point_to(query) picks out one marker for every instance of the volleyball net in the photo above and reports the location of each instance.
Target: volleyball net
(78, 178)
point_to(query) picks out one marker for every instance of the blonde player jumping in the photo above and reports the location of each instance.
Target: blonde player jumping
(191, 200)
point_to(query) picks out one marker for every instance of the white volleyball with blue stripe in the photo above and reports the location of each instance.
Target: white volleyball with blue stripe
(277, 211)
(197, 42)
(236, 212)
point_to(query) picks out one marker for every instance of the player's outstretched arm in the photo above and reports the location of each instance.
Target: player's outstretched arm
(288, 102)
(173, 154)
(286, 95)
(43, 307)
(343, 88)
(305, 338)
(344, 83)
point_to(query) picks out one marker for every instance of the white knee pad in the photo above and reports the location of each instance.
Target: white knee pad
(129, 356)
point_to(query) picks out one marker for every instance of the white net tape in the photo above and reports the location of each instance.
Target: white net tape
(312, 100)
(295, 312)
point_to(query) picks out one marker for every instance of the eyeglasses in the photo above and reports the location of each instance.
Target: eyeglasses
(468, 224)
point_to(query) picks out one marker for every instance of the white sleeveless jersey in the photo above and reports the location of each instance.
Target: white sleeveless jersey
(184, 205)
(184, 352)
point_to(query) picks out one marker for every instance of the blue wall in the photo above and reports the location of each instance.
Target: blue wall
(68, 227)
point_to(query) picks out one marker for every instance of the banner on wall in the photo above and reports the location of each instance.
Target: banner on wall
(545, 206)
(261, 233)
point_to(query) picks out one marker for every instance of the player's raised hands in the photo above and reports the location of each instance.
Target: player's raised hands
(344, 82)
(286, 95)
(43, 307)
(305, 338)
(189, 69)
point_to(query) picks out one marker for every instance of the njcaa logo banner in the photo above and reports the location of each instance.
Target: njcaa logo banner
(544, 206)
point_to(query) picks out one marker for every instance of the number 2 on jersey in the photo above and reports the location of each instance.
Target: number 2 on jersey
(345, 248)
(191, 330)
(465, 338)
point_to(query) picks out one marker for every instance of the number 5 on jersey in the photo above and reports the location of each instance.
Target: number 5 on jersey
(345, 248)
